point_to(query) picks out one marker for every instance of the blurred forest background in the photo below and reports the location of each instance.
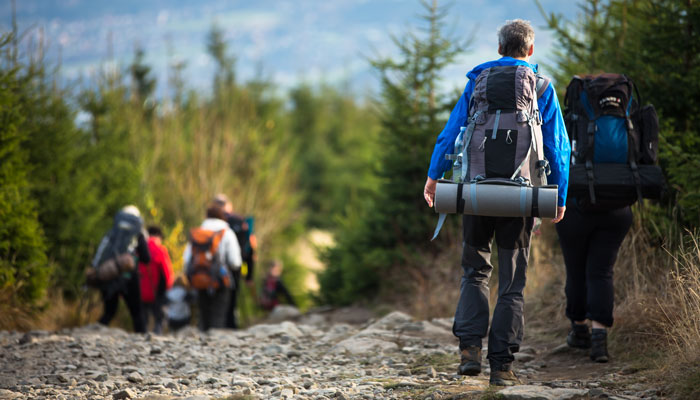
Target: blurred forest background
(322, 158)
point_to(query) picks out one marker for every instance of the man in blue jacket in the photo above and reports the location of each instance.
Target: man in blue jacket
(516, 45)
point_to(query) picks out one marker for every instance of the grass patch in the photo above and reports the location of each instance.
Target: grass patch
(492, 394)
(441, 363)
(687, 382)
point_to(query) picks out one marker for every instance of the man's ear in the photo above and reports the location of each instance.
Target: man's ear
(499, 50)
(532, 50)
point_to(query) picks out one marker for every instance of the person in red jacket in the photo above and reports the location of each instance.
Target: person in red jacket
(156, 278)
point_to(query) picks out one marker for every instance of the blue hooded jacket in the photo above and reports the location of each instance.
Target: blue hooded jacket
(557, 149)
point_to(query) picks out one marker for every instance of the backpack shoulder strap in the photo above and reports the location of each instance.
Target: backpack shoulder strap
(542, 84)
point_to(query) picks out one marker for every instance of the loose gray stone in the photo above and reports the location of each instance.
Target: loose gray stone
(562, 348)
(341, 396)
(361, 345)
(523, 357)
(134, 377)
(283, 313)
(124, 394)
(532, 392)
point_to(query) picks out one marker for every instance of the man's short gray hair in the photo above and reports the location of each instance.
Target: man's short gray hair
(515, 38)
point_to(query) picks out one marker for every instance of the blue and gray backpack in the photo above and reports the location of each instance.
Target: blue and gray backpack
(614, 143)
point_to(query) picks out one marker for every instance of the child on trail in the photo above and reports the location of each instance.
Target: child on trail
(178, 310)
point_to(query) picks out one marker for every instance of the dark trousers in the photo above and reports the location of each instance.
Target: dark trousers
(175, 324)
(590, 242)
(131, 291)
(154, 309)
(472, 316)
(212, 308)
(231, 320)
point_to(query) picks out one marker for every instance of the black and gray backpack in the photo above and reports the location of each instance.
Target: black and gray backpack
(499, 166)
(503, 138)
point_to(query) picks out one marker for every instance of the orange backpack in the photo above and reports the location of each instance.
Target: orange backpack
(205, 268)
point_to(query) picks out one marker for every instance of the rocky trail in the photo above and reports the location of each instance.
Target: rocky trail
(315, 357)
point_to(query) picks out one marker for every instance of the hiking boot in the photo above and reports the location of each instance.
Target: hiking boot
(599, 345)
(579, 337)
(470, 361)
(503, 376)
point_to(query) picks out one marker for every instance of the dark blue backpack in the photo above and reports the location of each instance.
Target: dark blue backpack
(614, 143)
(122, 238)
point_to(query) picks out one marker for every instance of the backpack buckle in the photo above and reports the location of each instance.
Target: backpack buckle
(543, 167)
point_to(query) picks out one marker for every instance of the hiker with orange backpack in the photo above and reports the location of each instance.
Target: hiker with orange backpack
(210, 257)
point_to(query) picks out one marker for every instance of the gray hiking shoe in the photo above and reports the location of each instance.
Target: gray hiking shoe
(470, 361)
(599, 346)
(579, 337)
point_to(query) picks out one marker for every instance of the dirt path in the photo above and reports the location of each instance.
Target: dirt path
(320, 356)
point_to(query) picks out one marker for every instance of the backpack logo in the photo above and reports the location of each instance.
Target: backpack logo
(610, 101)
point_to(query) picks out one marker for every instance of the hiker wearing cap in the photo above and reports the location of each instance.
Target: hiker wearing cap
(113, 267)
(210, 256)
(500, 84)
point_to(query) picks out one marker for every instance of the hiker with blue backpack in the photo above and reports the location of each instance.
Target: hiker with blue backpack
(114, 270)
(615, 144)
(513, 132)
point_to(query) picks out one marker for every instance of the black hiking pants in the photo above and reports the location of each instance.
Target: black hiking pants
(212, 308)
(472, 316)
(154, 309)
(590, 242)
(231, 320)
(130, 289)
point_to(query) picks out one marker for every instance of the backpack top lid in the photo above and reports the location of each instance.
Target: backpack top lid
(127, 221)
(508, 88)
(607, 94)
(205, 246)
(120, 238)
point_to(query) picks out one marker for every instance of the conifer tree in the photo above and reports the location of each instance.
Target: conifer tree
(657, 44)
(395, 228)
(23, 265)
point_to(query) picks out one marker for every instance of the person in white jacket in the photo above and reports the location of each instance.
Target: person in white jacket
(213, 304)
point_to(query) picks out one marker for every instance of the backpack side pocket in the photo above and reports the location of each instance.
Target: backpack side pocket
(648, 123)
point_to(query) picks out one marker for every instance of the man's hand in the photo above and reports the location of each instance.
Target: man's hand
(429, 191)
(560, 214)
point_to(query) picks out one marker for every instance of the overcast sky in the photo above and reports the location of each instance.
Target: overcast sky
(292, 40)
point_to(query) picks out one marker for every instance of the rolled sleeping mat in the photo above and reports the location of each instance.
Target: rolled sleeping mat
(496, 198)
